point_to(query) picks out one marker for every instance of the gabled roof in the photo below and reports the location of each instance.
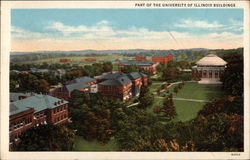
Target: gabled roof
(134, 75)
(211, 60)
(122, 80)
(75, 86)
(39, 102)
(142, 74)
(113, 75)
(84, 79)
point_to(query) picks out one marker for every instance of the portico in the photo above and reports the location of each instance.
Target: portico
(209, 69)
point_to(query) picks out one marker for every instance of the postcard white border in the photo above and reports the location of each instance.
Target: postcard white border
(5, 49)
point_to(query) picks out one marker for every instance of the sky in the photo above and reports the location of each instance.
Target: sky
(108, 29)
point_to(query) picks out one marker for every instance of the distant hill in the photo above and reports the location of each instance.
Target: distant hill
(129, 51)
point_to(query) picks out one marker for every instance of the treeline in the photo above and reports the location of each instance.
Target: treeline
(21, 58)
(41, 82)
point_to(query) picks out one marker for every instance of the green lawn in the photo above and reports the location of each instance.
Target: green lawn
(78, 59)
(193, 90)
(83, 145)
(155, 86)
(187, 110)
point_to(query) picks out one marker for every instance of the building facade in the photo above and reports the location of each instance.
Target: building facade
(209, 69)
(121, 86)
(147, 66)
(33, 111)
(164, 60)
(84, 84)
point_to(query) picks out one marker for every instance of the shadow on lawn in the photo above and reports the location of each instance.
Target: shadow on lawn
(213, 92)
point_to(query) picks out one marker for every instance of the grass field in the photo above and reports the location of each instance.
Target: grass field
(193, 90)
(83, 145)
(187, 110)
(78, 59)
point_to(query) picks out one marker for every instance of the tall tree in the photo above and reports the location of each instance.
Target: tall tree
(47, 138)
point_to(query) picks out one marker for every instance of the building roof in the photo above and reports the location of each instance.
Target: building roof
(137, 63)
(15, 96)
(84, 79)
(118, 81)
(113, 75)
(75, 86)
(39, 102)
(211, 60)
(134, 75)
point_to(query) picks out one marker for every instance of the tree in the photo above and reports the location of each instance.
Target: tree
(107, 66)
(47, 138)
(168, 107)
(146, 98)
(130, 68)
(176, 89)
(170, 73)
(232, 78)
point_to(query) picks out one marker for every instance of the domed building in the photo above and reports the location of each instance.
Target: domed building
(209, 69)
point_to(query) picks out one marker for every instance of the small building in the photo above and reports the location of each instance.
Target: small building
(89, 59)
(64, 60)
(147, 66)
(139, 58)
(209, 69)
(84, 84)
(164, 60)
(33, 111)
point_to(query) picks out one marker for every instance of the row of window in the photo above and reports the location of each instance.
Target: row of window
(59, 118)
(20, 123)
(59, 109)
(40, 115)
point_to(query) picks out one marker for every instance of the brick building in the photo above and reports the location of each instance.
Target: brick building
(33, 111)
(165, 59)
(89, 59)
(64, 60)
(84, 84)
(146, 66)
(209, 69)
(139, 58)
(121, 86)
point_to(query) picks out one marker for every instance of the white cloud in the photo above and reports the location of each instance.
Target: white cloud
(188, 23)
(19, 33)
(108, 37)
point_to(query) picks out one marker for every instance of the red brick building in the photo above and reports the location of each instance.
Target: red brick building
(122, 86)
(84, 84)
(90, 59)
(163, 59)
(147, 66)
(34, 111)
(138, 58)
(209, 69)
(63, 60)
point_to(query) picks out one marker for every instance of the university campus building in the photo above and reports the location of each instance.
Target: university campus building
(164, 60)
(84, 84)
(147, 66)
(28, 110)
(209, 69)
(121, 86)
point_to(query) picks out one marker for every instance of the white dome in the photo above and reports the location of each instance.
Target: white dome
(211, 60)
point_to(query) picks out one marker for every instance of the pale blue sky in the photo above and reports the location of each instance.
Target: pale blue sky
(118, 24)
